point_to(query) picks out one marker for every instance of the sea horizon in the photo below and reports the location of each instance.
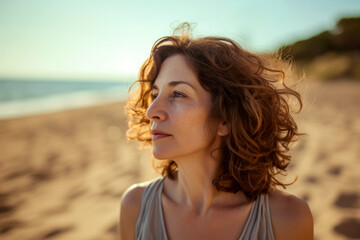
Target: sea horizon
(20, 98)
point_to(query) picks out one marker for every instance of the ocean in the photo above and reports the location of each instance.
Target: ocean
(29, 97)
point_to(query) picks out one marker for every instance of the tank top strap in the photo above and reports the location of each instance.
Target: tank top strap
(150, 225)
(258, 225)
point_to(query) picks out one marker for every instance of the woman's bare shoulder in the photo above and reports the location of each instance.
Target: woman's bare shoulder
(130, 209)
(132, 195)
(291, 217)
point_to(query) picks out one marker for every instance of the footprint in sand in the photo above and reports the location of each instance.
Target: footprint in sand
(305, 197)
(349, 227)
(335, 170)
(6, 208)
(348, 200)
(56, 232)
(113, 228)
(312, 179)
(322, 156)
(8, 226)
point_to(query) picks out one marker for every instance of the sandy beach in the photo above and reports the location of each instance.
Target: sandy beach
(62, 174)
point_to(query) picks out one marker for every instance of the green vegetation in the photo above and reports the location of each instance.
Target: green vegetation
(329, 55)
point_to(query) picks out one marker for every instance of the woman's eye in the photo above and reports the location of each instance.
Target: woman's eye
(178, 94)
(153, 96)
(173, 95)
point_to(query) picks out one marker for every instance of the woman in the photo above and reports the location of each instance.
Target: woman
(221, 130)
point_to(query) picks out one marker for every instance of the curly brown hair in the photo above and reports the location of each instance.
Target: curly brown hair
(247, 94)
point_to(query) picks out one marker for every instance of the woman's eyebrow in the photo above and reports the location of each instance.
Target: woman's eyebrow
(173, 84)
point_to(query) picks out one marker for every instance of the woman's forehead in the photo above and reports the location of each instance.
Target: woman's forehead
(176, 70)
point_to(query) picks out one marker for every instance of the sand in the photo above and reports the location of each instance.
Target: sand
(62, 174)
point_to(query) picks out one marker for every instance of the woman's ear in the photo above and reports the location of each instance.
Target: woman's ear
(223, 129)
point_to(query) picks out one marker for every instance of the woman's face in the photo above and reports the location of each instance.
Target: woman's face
(179, 113)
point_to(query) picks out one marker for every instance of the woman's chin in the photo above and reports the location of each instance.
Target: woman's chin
(163, 153)
(160, 156)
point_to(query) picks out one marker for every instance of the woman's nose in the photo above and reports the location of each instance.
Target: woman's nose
(156, 111)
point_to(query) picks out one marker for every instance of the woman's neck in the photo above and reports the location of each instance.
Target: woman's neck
(193, 186)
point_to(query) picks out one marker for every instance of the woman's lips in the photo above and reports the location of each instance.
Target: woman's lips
(159, 136)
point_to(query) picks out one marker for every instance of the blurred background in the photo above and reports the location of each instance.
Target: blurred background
(65, 69)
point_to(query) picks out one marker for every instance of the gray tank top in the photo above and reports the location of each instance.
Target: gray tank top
(150, 223)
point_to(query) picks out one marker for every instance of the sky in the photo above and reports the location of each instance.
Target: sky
(110, 39)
